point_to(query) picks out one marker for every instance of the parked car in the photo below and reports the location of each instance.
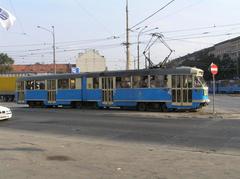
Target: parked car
(5, 113)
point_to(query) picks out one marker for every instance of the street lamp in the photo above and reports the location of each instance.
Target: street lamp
(138, 42)
(54, 48)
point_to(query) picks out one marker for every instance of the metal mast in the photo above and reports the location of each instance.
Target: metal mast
(127, 39)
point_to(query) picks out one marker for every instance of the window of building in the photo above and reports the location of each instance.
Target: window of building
(63, 84)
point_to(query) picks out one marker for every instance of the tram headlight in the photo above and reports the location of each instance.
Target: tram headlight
(205, 92)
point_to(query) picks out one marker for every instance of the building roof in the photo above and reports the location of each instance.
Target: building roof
(42, 68)
(230, 40)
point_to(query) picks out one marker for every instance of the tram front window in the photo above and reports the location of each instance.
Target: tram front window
(199, 81)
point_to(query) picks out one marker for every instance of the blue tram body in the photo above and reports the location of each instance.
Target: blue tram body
(163, 89)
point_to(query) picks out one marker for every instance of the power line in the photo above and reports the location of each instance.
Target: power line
(203, 36)
(179, 10)
(65, 49)
(201, 28)
(152, 14)
(64, 42)
(117, 37)
(108, 46)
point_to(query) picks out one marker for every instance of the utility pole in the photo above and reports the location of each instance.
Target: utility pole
(127, 39)
(54, 51)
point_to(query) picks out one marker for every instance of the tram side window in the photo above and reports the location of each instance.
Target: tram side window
(78, 83)
(40, 85)
(190, 81)
(176, 82)
(123, 82)
(157, 81)
(118, 82)
(20, 85)
(95, 83)
(173, 81)
(144, 82)
(136, 81)
(92, 83)
(63, 84)
(72, 83)
(141, 81)
(89, 83)
(185, 81)
(30, 85)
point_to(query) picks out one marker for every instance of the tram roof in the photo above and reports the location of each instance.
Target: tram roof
(159, 71)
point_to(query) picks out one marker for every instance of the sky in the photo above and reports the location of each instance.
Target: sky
(186, 26)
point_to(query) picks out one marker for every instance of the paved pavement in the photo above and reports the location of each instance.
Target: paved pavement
(68, 143)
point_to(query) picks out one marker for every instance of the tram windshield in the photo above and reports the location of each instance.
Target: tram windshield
(199, 81)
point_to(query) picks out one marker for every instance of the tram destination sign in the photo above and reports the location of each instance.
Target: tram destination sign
(214, 69)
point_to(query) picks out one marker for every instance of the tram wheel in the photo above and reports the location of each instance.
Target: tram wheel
(163, 107)
(76, 104)
(142, 107)
(31, 104)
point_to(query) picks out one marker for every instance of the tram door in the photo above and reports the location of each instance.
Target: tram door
(20, 91)
(51, 88)
(108, 87)
(182, 90)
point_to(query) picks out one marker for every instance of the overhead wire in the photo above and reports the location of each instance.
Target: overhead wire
(201, 28)
(168, 38)
(156, 12)
(180, 10)
(64, 42)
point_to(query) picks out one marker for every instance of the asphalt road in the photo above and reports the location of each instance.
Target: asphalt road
(129, 126)
(70, 143)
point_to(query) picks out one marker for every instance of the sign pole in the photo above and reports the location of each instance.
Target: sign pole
(213, 94)
(214, 71)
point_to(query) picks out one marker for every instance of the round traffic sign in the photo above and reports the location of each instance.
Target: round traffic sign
(214, 69)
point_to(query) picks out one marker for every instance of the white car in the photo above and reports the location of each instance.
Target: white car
(5, 113)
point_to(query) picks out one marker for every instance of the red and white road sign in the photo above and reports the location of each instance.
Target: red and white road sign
(214, 69)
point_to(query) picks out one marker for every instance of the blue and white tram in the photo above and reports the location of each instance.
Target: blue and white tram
(162, 89)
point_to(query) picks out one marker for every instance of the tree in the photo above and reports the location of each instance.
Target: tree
(5, 63)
